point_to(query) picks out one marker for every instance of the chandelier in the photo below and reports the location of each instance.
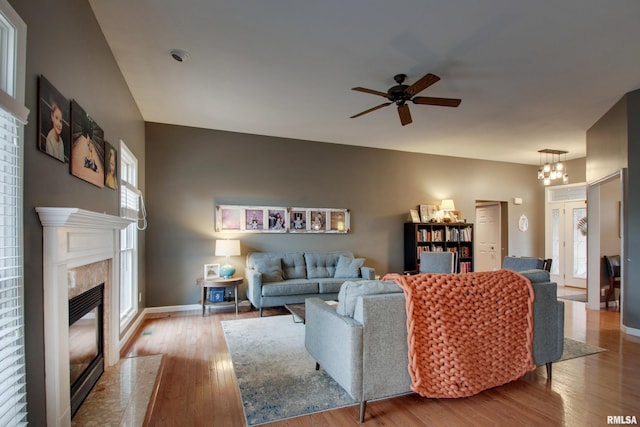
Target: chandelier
(553, 170)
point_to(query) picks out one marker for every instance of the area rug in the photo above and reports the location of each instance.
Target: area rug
(576, 297)
(276, 376)
(573, 349)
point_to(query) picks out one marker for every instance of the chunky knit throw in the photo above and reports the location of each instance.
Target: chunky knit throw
(467, 332)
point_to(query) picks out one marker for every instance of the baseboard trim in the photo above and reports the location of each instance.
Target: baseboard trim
(137, 323)
(630, 331)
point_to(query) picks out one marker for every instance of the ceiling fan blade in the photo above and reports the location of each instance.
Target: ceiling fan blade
(405, 114)
(422, 84)
(370, 110)
(444, 102)
(371, 91)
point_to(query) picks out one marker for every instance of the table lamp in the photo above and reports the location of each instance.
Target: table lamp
(227, 248)
(447, 206)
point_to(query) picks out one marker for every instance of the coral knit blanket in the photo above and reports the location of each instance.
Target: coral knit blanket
(467, 332)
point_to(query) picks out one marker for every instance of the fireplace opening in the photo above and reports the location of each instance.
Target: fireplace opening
(86, 353)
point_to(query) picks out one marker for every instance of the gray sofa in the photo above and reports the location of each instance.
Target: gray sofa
(278, 278)
(364, 348)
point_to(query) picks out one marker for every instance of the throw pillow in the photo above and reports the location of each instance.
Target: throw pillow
(348, 267)
(271, 269)
(350, 291)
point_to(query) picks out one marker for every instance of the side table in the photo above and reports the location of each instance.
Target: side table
(220, 282)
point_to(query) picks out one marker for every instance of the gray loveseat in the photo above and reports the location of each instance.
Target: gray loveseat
(278, 278)
(365, 347)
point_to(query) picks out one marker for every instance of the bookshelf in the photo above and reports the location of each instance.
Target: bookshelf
(438, 237)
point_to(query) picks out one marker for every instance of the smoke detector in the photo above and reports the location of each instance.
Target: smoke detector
(179, 55)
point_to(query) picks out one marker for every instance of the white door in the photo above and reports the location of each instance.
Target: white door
(566, 242)
(488, 239)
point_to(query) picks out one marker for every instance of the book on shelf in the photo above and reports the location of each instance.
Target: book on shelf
(465, 267)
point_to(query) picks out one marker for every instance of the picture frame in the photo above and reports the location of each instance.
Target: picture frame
(338, 221)
(317, 221)
(228, 218)
(53, 121)
(111, 166)
(87, 147)
(211, 271)
(254, 219)
(298, 220)
(428, 213)
(277, 220)
(415, 216)
(456, 215)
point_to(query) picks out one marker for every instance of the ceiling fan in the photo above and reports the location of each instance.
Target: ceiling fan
(401, 93)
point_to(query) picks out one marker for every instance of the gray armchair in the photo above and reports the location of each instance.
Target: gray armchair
(365, 349)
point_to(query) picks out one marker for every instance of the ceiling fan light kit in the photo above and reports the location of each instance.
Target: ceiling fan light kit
(401, 93)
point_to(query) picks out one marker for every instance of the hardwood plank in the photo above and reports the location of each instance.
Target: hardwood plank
(199, 387)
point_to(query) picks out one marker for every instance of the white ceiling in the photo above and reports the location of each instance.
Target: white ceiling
(531, 74)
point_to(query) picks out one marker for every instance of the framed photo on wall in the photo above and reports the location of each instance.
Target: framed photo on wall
(228, 218)
(111, 164)
(277, 219)
(318, 219)
(298, 220)
(87, 147)
(254, 219)
(338, 220)
(53, 121)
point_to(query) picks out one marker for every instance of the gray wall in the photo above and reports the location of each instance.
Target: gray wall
(65, 44)
(613, 142)
(631, 291)
(190, 170)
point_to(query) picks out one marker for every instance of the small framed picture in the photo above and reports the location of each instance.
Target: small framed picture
(428, 213)
(318, 221)
(254, 219)
(415, 217)
(298, 220)
(211, 271)
(228, 218)
(338, 220)
(277, 220)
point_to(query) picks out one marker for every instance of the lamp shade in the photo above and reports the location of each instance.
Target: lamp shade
(447, 205)
(227, 247)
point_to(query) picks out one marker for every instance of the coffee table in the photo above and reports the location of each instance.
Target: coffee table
(297, 311)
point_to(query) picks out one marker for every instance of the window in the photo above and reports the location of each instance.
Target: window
(129, 208)
(13, 116)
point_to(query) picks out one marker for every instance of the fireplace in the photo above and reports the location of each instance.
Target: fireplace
(86, 354)
(80, 253)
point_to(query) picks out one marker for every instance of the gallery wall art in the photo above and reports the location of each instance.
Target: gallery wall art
(272, 219)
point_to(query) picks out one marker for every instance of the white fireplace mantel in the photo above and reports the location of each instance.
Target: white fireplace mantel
(72, 238)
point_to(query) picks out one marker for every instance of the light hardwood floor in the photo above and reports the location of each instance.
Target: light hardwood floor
(198, 387)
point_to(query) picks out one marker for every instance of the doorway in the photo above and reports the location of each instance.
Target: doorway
(491, 235)
(566, 234)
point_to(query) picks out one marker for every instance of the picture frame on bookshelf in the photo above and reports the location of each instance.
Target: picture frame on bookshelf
(415, 216)
(456, 215)
(428, 213)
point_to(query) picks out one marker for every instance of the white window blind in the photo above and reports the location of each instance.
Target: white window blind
(12, 370)
(13, 116)
(129, 201)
